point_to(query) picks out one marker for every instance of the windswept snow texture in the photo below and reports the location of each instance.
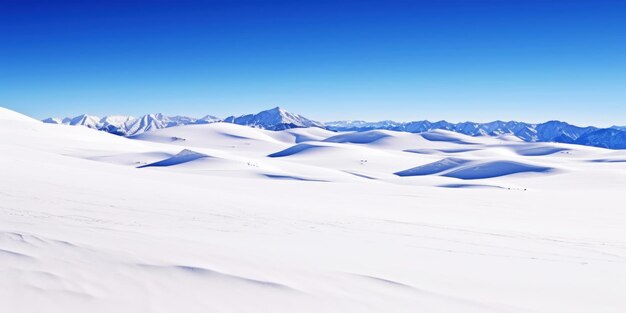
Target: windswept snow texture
(362, 138)
(469, 186)
(180, 158)
(539, 151)
(286, 177)
(495, 169)
(230, 218)
(441, 136)
(609, 161)
(295, 150)
(433, 168)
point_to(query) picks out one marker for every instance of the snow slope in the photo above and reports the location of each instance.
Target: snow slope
(85, 227)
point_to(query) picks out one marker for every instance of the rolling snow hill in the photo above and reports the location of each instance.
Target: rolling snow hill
(230, 218)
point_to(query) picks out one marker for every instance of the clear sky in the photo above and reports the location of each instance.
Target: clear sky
(457, 60)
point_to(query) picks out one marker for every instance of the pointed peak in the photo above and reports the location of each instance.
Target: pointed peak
(273, 119)
(276, 109)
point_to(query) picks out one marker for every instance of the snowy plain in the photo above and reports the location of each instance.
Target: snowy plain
(228, 218)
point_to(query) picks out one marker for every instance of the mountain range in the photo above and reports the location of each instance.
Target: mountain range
(280, 119)
(124, 125)
(551, 131)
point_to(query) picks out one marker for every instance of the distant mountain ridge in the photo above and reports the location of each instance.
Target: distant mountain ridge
(272, 119)
(551, 131)
(124, 125)
(280, 119)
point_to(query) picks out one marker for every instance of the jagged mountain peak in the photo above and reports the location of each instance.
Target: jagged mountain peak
(276, 118)
(90, 121)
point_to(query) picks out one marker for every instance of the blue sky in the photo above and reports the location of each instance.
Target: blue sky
(403, 60)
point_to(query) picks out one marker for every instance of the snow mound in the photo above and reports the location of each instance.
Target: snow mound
(433, 168)
(309, 134)
(290, 177)
(207, 134)
(509, 137)
(296, 150)
(495, 169)
(182, 157)
(359, 137)
(447, 136)
(132, 159)
(608, 161)
(439, 151)
(538, 150)
(460, 186)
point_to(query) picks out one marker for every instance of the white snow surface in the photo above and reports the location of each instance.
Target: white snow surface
(229, 218)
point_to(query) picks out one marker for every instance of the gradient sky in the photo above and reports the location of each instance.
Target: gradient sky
(328, 60)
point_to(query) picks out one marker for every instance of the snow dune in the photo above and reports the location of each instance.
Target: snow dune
(433, 168)
(609, 161)
(467, 169)
(537, 150)
(469, 186)
(448, 136)
(495, 169)
(180, 158)
(216, 224)
(297, 149)
(439, 151)
(359, 137)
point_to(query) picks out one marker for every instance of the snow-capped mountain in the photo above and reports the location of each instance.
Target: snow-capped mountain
(208, 119)
(558, 131)
(156, 121)
(552, 131)
(146, 123)
(605, 138)
(125, 125)
(280, 119)
(362, 125)
(274, 119)
(90, 121)
(115, 124)
(53, 120)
